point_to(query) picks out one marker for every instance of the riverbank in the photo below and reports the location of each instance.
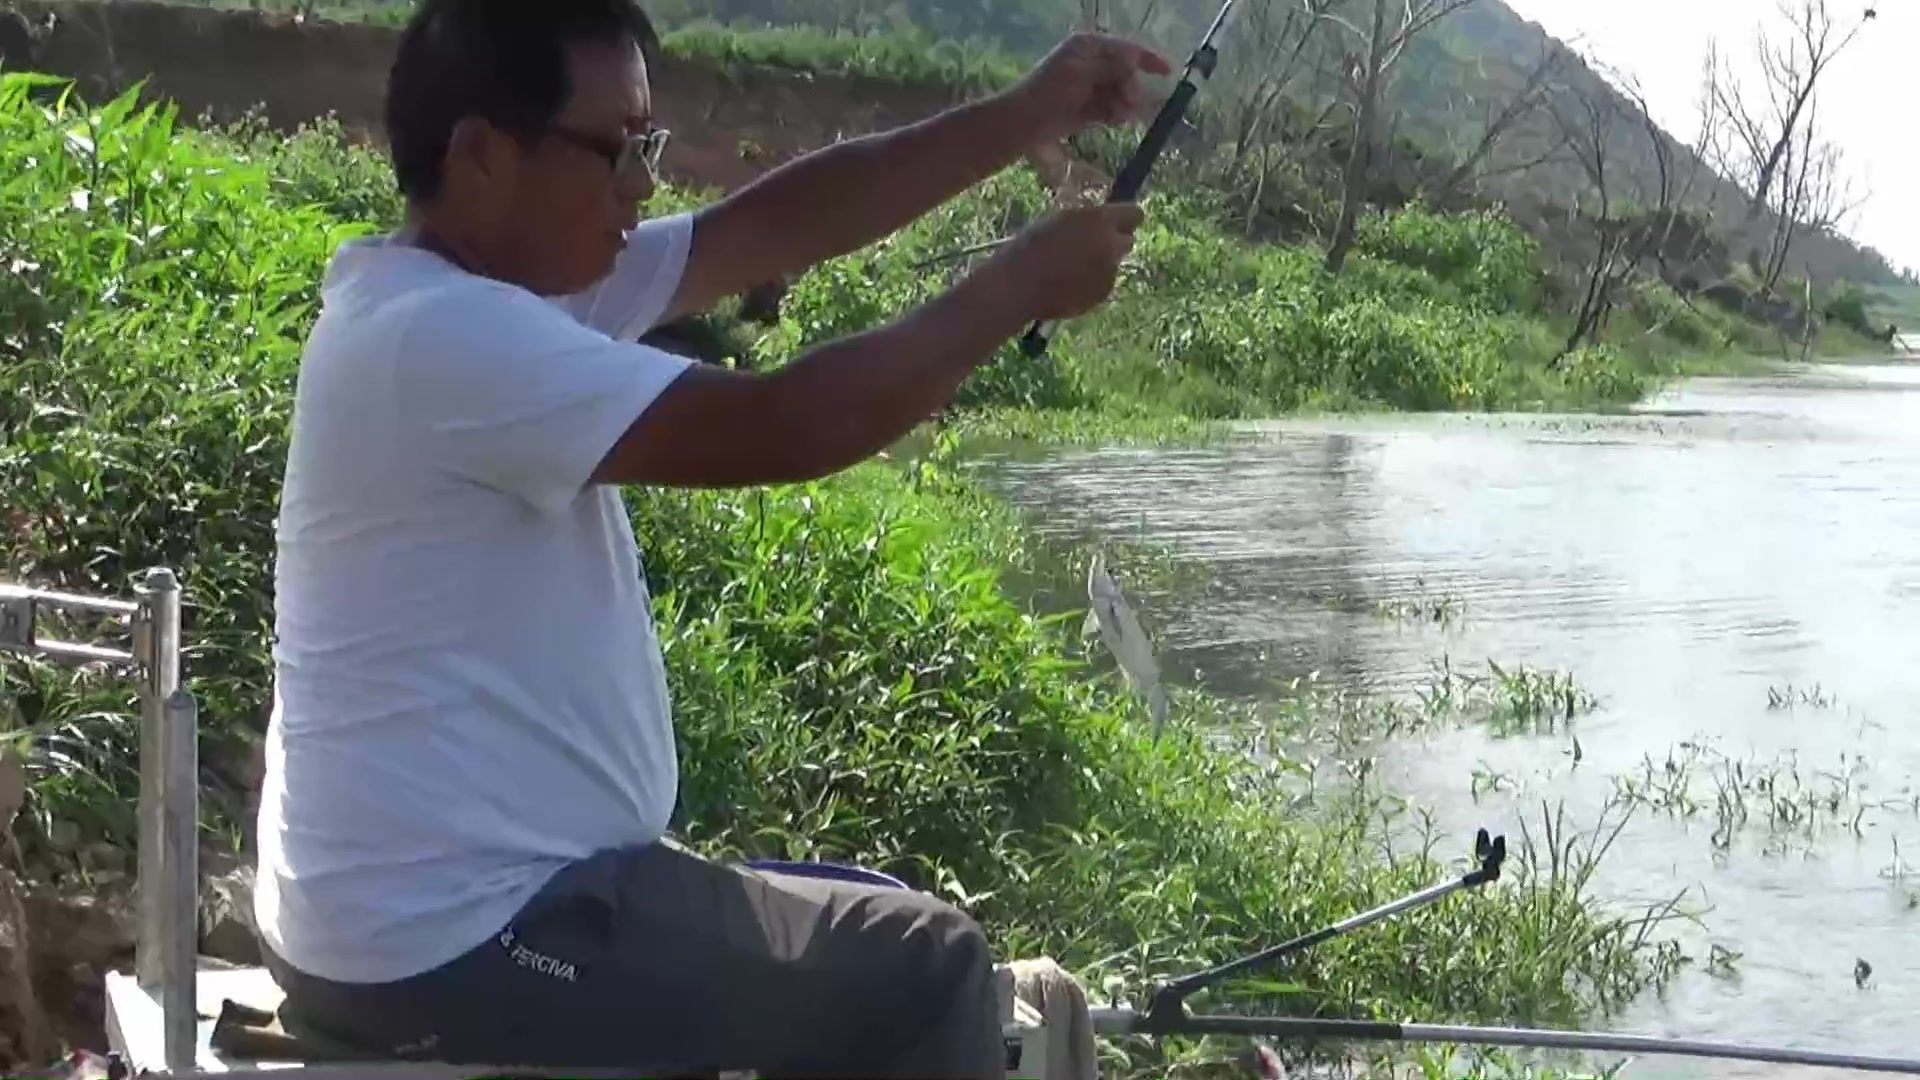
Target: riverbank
(1436, 311)
(854, 680)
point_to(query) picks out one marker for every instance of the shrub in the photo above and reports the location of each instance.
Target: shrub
(1483, 253)
(1602, 373)
(1848, 307)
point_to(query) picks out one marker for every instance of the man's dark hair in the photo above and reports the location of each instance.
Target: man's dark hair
(502, 60)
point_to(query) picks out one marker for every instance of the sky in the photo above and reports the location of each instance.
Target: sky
(1869, 98)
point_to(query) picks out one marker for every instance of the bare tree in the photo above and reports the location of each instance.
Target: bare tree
(1538, 84)
(1810, 195)
(1386, 39)
(1273, 36)
(1589, 122)
(1634, 214)
(1761, 135)
(1267, 85)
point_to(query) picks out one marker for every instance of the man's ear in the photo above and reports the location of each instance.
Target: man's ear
(477, 149)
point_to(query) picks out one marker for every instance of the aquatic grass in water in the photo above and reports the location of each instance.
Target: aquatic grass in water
(1423, 606)
(1786, 801)
(1507, 701)
(1789, 697)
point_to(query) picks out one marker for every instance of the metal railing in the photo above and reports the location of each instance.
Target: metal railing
(166, 941)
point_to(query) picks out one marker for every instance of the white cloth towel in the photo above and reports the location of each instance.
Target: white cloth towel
(1060, 1000)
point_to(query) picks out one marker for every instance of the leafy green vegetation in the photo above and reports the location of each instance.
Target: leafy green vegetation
(853, 680)
(1435, 312)
(904, 51)
(383, 12)
(910, 56)
(1021, 26)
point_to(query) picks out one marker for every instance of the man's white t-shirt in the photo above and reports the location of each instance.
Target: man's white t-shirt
(468, 689)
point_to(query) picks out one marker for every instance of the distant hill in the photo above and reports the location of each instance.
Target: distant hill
(1445, 87)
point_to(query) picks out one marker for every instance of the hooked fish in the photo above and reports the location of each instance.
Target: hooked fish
(1113, 619)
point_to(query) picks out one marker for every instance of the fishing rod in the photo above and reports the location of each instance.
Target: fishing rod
(976, 249)
(1121, 1021)
(1133, 176)
(1167, 1013)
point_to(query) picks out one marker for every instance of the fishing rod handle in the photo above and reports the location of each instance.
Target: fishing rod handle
(1127, 186)
(1133, 175)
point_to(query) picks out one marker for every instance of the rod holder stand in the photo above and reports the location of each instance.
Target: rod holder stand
(1167, 1008)
(167, 886)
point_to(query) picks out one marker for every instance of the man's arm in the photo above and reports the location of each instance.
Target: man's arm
(849, 399)
(839, 199)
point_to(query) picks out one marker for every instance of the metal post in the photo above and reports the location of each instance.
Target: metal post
(181, 894)
(157, 649)
(167, 933)
(166, 951)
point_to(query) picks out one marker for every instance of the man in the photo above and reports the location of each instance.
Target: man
(471, 761)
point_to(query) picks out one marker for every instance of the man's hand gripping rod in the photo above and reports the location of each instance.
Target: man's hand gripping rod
(1126, 186)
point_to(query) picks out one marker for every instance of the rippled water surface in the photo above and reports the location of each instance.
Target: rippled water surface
(1686, 564)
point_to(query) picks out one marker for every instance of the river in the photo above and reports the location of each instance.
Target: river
(1736, 566)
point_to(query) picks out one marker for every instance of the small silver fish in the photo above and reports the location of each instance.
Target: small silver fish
(1113, 619)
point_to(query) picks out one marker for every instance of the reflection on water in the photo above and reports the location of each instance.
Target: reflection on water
(1734, 537)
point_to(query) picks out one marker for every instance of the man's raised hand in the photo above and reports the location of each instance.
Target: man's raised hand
(1086, 81)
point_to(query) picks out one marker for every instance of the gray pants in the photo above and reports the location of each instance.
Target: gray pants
(654, 958)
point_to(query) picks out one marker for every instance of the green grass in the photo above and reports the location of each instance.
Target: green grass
(905, 55)
(382, 12)
(853, 680)
(912, 58)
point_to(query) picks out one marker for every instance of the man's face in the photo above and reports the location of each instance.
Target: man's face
(566, 205)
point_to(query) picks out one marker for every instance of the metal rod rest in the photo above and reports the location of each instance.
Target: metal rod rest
(1169, 1002)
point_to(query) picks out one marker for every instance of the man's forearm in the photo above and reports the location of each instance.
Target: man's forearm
(838, 405)
(850, 399)
(844, 401)
(841, 198)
